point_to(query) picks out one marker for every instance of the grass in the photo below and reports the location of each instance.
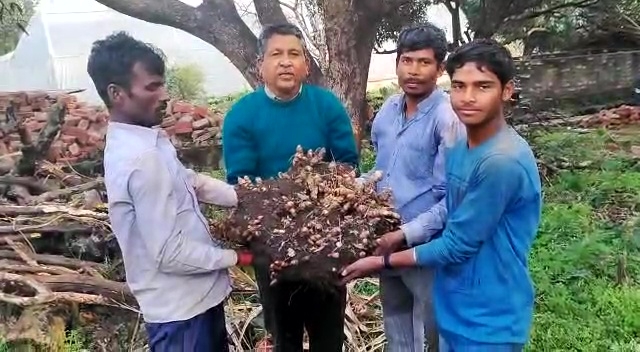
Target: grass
(586, 259)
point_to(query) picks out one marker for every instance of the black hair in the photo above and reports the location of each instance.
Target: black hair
(112, 59)
(277, 29)
(486, 54)
(420, 37)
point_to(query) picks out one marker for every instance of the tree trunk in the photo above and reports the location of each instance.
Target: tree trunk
(454, 10)
(350, 33)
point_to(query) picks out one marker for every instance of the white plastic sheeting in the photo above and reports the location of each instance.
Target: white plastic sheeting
(54, 54)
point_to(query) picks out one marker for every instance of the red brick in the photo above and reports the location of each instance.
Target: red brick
(200, 112)
(72, 120)
(40, 116)
(82, 112)
(79, 133)
(205, 137)
(181, 107)
(186, 118)
(67, 139)
(74, 149)
(183, 127)
(84, 124)
(200, 124)
(198, 133)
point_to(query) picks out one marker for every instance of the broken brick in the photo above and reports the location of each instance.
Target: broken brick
(183, 127)
(181, 107)
(200, 112)
(200, 124)
(74, 149)
(84, 124)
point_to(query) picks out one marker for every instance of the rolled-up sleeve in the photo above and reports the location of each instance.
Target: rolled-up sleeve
(151, 189)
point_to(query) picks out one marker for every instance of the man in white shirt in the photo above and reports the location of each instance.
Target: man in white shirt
(177, 273)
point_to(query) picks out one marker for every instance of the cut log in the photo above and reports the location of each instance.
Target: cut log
(33, 152)
(117, 291)
(32, 210)
(55, 260)
(19, 268)
(33, 185)
(41, 328)
(13, 229)
(48, 196)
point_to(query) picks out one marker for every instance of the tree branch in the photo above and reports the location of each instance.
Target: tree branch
(527, 15)
(384, 52)
(270, 12)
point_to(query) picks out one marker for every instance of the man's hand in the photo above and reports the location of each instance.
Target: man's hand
(361, 268)
(244, 258)
(389, 242)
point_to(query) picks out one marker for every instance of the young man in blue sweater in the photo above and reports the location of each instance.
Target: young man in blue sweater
(259, 138)
(483, 294)
(409, 134)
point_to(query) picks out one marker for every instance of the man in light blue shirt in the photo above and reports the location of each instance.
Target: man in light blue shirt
(176, 272)
(409, 134)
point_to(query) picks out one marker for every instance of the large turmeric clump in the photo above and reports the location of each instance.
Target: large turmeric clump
(310, 221)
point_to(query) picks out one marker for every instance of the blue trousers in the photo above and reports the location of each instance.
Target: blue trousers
(206, 332)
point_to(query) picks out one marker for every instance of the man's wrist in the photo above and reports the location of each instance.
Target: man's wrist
(386, 261)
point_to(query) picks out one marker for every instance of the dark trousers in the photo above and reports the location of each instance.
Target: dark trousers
(289, 307)
(206, 332)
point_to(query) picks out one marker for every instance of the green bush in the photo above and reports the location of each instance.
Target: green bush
(186, 82)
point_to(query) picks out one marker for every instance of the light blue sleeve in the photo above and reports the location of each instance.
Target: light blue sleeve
(150, 185)
(493, 187)
(426, 225)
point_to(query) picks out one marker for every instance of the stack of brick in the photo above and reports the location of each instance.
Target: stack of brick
(191, 125)
(612, 118)
(82, 134)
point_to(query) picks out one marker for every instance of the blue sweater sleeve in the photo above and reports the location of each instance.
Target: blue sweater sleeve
(342, 142)
(238, 145)
(492, 188)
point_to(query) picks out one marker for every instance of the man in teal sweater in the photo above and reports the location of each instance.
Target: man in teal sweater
(483, 294)
(259, 138)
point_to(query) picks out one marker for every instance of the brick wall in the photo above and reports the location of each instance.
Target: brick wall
(578, 75)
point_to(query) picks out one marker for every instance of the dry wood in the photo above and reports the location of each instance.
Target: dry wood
(20, 251)
(113, 290)
(36, 293)
(51, 195)
(34, 185)
(55, 260)
(32, 210)
(13, 229)
(17, 267)
(41, 327)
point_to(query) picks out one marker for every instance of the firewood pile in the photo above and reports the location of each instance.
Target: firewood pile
(50, 216)
(612, 118)
(319, 220)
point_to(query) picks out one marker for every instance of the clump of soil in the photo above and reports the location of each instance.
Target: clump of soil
(310, 221)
